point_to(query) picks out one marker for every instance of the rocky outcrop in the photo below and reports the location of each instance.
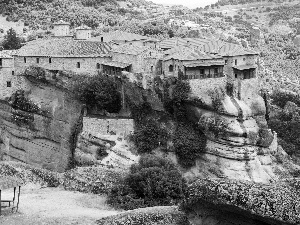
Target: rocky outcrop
(47, 139)
(232, 202)
(232, 116)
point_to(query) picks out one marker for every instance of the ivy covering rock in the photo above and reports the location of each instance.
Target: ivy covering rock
(162, 215)
(280, 202)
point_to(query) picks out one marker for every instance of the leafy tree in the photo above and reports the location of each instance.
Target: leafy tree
(152, 182)
(98, 91)
(11, 40)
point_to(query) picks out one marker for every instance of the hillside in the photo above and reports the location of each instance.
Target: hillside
(41, 14)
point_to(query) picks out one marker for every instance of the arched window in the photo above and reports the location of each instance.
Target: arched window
(151, 68)
(98, 66)
(171, 68)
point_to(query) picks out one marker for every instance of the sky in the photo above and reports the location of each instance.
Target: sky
(188, 3)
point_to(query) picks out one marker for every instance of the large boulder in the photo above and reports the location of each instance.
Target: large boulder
(232, 202)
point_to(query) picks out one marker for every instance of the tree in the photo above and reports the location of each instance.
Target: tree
(11, 40)
(152, 182)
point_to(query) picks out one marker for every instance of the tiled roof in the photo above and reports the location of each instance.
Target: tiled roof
(119, 36)
(130, 49)
(208, 45)
(7, 54)
(187, 53)
(64, 47)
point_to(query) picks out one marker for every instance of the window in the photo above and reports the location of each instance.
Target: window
(0, 62)
(24, 59)
(216, 70)
(50, 60)
(235, 61)
(244, 59)
(8, 83)
(78, 64)
(201, 71)
(101, 39)
(171, 68)
(226, 61)
(98, 66)
(12, 72)
(235, 75)
(151, 68)
(37, 60)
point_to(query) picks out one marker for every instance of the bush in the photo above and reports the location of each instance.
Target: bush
(280, 98)
(152, 182)
(189, 143)
(98, 91)
(149, 136)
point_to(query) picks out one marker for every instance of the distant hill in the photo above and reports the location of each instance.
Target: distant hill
(40, 14)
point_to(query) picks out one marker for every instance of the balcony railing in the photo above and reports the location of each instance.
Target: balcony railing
(203, 76)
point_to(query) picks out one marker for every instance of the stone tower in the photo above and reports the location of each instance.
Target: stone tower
(83, 32)
(61, 29)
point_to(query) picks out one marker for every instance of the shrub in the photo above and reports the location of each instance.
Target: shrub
(189, 143)
(149, 136)
(152, 182)
(98, 91)
(280, 98)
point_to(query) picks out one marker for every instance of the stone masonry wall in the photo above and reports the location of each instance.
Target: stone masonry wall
(96, 126)
(87, 65)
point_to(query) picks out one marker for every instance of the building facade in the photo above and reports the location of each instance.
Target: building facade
(7, 82)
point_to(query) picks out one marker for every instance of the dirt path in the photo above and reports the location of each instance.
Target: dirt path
(55, 206)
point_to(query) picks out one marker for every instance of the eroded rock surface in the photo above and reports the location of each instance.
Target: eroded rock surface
(47, 140)
(232, 115)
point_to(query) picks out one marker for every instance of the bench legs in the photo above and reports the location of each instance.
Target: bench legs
(13, 201)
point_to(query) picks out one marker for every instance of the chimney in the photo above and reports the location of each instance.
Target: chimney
(83, 32)
(61, 29)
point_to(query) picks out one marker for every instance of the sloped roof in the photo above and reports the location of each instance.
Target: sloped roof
(66, 47)
(7, 54)
(208, 45)
(130, 49)
(119, 36)
(187, 53)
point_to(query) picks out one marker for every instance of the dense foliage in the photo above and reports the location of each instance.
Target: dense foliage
(280, 98)
(189, 143)
(98, 91)
(153, 181)
(11, 40)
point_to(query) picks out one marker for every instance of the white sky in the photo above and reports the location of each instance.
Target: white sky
(188, 3)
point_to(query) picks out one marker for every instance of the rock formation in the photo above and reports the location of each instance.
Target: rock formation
(232, 115)
(45, 136)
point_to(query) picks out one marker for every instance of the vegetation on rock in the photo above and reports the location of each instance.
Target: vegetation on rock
(153, 181)
(98, 91)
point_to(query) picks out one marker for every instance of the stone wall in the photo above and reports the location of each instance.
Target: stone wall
(87, 64)
(6, 76)
(96, 126)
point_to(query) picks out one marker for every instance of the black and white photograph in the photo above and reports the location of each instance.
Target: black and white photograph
(149, 112)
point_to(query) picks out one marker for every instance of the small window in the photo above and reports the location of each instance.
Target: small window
(50, 60)
(171, 68)
(235, 75)
(201, 71)
(12, 72)
(226, 62)
(25, 60)
(8, 83)
(216, 70)
(0, 62)
(151, 68)
(235, 62)
(37, 60)
(98, 66)
(101, 39)
(244, 59)
(78, 64)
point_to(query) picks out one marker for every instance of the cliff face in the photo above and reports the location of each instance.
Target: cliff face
(44, 137)
(232, 115)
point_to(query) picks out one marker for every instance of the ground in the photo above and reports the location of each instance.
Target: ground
(51, 206)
